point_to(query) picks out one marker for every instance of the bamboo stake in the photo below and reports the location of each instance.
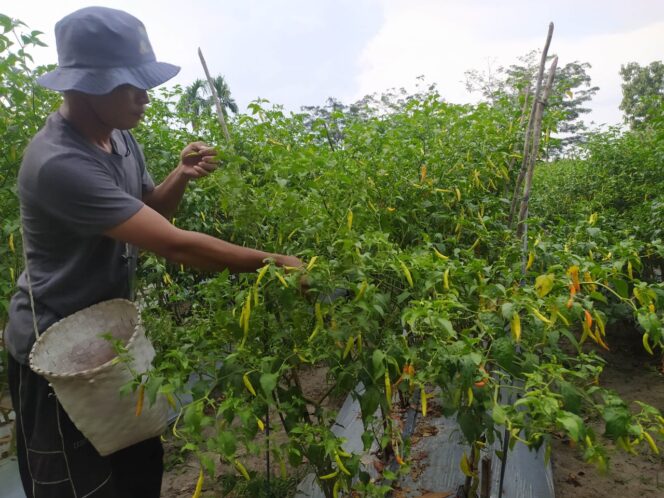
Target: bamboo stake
(215, 97)
(532, 158)
(526, 141)
(522, 117)
(485, 489)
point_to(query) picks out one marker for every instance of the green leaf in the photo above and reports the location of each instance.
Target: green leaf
(378, 364)
(268, 382)
(598, 296)
(226, 443)
(498, 415)
(572, 423)
(369, 401)
(506, 310)
(616, 418)
(649, 322)
(621, 287)
(571, 397)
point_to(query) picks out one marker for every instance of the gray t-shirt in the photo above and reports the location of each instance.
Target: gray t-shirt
(70, 193)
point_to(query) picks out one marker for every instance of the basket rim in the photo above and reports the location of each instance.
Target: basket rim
(90, 371)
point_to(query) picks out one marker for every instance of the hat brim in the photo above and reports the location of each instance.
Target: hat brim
(100, 81)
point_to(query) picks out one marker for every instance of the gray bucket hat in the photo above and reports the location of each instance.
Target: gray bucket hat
(100, 49)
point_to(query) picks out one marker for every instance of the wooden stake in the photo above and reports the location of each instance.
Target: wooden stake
(532, 157)
(485, 487)
(217, 100)
(529, 129)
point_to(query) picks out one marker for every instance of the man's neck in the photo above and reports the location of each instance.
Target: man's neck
(83, 118)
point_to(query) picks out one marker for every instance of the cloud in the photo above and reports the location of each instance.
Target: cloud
(442, 40)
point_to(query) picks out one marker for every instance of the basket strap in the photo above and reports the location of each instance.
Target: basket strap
(27, 277)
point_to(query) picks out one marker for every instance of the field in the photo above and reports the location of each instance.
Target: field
(420, 287)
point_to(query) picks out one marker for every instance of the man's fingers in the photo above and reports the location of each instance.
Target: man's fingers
(207, 151)
(201, 171)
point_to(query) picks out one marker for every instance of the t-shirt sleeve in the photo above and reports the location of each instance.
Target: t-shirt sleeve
(79, 192)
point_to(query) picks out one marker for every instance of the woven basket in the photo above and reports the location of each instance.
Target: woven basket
(82, 368)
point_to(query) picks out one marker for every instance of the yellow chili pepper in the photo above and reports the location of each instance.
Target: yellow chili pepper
(261, 424)
(261, 274)
(247, 384)
(515, 326)
(540, 316)
(440, 255)
(423, 399)
(11, 243)
(349, 346)
(573, 272)
(630, 270)
(330, 476)
(312, 263)
(465, 465)
(589, 281)
(335, 489)
(646, 344)
(446, 279)
(199, 485)
(314, 333)
(458, 194)
(242, 469)
(340, 464)
(471, 396)
(600, 323)
(651, 443)
(531, 260)
(281, 279)
(349, 219)
(406, 272)
(388, 390)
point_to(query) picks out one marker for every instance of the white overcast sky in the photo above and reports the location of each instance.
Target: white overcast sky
(299, 52)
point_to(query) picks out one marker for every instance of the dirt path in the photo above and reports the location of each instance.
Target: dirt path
(634, 375)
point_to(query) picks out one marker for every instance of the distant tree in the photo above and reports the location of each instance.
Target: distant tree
(643, 91)
(571, 92)
(197, 99)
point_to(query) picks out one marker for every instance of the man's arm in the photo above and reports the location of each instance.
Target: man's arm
(196, 160)
(148, 230)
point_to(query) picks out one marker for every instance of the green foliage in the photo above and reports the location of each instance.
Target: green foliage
(643, 91)
(416, 286)
(23, 109)
(197, 99)
(572, 90)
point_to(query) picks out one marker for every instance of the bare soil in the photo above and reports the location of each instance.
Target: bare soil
(634, 375)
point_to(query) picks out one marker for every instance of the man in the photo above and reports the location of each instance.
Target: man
(87, 202)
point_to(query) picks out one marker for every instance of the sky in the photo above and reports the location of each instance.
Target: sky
(300, 52)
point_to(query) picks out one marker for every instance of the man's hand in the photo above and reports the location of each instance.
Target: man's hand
(197, 160)
(288, 261)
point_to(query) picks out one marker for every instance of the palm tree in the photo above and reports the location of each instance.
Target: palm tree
(224, 93)
(197, 98)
